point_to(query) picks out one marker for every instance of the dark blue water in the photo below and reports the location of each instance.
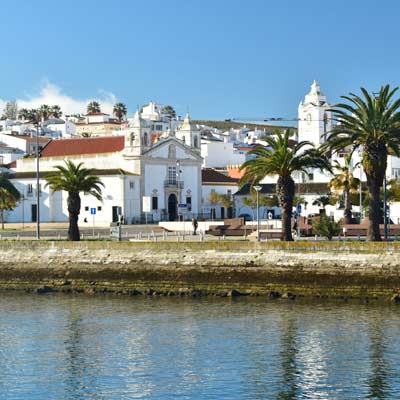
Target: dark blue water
(66, 347)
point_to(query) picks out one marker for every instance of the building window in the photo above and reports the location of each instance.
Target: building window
(159, 128)
(171, 175)
(154, 203)
(145, 139)
(99, 208)
(29, 190)
(189, 203)
(396, 173)
(196, 142)
(86, 208)
(131, 185)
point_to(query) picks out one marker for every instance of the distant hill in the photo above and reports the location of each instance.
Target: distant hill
(226, 125)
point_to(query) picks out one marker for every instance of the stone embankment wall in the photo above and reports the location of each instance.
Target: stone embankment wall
(275, 269)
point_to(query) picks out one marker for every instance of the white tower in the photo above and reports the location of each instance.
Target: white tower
(137, 137)
(315, 121)
(189, 134)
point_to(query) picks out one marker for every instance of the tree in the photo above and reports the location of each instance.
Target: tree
(93, 107)
(325, 227)
(322, 201)
(371, 123)
(44, 112)
(7, 202)
(120, 111)
(55, 111)
(280, 159)
(226, 200)
(169, 111)
(213, 199)
(9, 196)
(345, 182)
(74, 179)
(24, 114)
(10, 110)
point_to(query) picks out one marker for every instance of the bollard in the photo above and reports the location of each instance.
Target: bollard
(359, 237)
(316, 237)
(148, 236)
(223, 237)
(126, 235)
(18, 237)
(140, 235)
(163, 235)
(98, 235)
(82, 236)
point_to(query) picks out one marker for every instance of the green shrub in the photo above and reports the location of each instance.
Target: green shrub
(325, 226)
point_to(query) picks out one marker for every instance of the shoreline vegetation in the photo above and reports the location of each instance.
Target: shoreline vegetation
(337, 270)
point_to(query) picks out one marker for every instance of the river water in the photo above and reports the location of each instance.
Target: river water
(109, 347)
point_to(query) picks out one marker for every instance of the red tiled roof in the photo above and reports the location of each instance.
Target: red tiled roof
(210, 175)
(69, 147)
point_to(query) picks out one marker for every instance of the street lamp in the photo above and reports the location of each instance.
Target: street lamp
(178, 176)
(37, 182)
(257, 188)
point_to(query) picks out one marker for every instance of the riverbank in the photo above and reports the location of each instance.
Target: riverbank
(310, 269)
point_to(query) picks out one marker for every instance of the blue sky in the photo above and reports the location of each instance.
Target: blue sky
(219, 59)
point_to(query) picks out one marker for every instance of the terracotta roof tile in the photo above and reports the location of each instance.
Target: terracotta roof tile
(69, 147)
(210, 175)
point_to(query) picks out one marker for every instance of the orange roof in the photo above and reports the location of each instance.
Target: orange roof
(69, 147)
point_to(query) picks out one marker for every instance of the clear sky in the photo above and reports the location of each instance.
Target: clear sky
(219, 59)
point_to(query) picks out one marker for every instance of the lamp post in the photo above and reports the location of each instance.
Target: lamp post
(178, 176)
(257, 188)
(37, 182)
(385, 222)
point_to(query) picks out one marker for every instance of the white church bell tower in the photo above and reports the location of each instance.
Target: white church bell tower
(315, 121)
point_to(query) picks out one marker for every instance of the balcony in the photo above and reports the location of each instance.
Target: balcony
(172, 183)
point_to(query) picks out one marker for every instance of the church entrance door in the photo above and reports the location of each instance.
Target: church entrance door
(172, 207)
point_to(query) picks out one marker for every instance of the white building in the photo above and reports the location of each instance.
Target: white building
(130, 166)
(214, 181)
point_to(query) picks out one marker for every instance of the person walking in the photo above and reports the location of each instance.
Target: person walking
(195, 224)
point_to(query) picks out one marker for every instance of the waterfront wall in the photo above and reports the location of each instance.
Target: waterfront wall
(275, 269)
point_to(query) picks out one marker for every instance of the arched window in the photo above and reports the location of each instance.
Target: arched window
(196, 142)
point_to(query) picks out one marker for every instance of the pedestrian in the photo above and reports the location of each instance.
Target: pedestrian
(195, 224)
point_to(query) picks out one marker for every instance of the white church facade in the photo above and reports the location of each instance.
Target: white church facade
(131, 166)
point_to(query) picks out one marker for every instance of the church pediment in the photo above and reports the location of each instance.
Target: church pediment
(171, 148)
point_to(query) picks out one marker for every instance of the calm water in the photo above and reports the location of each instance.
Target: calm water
(66, 347)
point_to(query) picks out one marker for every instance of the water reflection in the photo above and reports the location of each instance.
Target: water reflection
(378, 382)
(62, 347)
(288, 355)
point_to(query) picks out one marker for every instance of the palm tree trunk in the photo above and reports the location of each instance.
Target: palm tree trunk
(74, 208)
(374, 214)
(285, 192)
(347, 207)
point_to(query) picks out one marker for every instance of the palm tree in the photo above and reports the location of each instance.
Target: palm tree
(44, 112)
(282, 159)
(9, 196)
(74, 179)
(55, 111)
(371, 123)
(120, 111)
(346, 182)
(93, 107)
(23, 113)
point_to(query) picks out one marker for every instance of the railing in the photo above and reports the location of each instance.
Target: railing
(171, 183)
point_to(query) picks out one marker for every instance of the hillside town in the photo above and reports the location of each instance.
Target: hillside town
(158, 166)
